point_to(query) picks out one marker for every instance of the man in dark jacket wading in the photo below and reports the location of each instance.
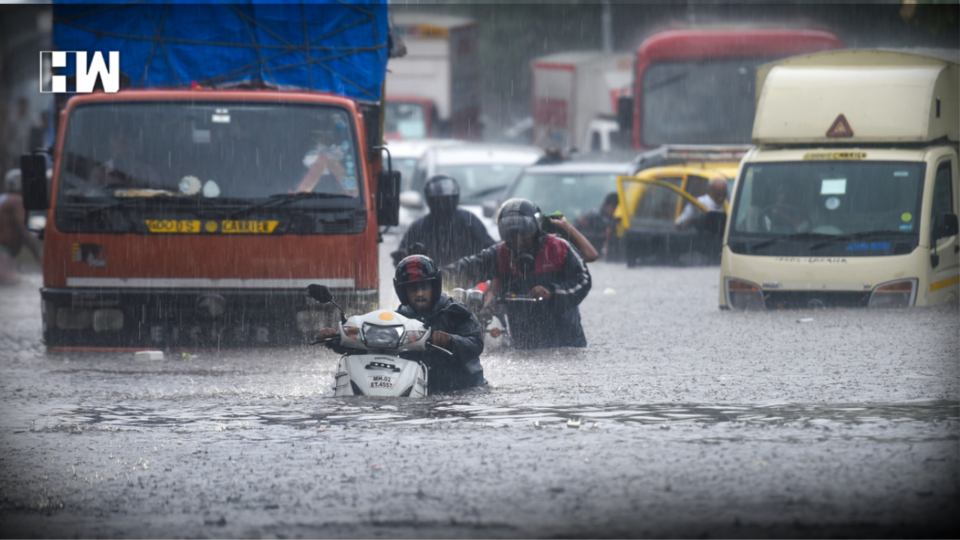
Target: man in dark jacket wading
(447, 233)
(531, 263)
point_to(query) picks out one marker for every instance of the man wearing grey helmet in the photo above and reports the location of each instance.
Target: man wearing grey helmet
(529, 262)
(447, 233)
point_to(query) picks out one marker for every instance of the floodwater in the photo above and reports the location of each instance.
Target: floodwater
(678, 420)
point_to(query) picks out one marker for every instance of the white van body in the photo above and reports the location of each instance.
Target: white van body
(856, 158)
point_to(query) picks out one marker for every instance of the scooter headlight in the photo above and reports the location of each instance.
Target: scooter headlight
(412, 336)
(382, 337)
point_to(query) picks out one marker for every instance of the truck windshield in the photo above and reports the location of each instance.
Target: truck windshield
(707, 102)
(214, 152)
(828, 208)
(405, 120)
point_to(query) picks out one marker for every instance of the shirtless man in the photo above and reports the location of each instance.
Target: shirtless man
(13, 230)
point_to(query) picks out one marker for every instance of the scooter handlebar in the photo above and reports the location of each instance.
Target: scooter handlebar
(335, 337)
(439, 348)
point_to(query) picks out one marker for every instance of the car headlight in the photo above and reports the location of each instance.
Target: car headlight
(412, 336)
(382, 337)
(743, 294)
(900, 293)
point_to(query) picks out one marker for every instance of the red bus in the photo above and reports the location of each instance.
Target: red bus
(697, 85)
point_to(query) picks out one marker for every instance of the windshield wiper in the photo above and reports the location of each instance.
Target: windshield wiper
(484, 192)
(281, 199)
(857, 236)
(786, 237)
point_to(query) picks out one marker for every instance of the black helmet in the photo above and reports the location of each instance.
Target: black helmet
(416, 268)
(442, 194)
(519, 218)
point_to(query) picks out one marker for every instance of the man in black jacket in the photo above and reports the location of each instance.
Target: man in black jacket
(453, 327)
(530, 263)
(447, 233)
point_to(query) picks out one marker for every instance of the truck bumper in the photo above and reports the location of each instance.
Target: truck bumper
(181, 318)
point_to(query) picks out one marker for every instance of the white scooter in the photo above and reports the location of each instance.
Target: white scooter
(372, 365)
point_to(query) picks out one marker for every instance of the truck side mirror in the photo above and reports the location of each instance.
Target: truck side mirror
(388, 198)
(625, 113)
(944, 225)
(388, 193)
(714, 221)
(33, 174)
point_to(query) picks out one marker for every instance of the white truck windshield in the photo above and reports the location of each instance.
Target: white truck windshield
(849, 208)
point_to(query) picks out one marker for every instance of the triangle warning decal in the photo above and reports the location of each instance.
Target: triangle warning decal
(840, 128)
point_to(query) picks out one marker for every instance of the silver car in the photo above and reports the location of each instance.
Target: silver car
(482, 170)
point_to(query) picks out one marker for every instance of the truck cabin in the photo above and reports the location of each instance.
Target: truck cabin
(410, 117)
(855, 166)
(696, 85)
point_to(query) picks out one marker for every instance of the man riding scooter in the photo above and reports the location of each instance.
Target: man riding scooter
(542, 268)
(453, 326)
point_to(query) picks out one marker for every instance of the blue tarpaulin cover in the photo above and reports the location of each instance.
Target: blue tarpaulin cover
(329, 46)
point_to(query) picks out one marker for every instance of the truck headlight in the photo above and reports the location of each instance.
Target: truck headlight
(743, 294)
(107, 320)
(73, 318)
(382, 337)
(900, 293)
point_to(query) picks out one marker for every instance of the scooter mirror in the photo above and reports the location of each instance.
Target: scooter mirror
(320, 293)
(474, 299)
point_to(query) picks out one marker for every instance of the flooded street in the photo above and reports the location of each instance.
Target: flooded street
(678, 420)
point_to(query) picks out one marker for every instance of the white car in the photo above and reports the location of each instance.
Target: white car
(482, 170)
(404, 156)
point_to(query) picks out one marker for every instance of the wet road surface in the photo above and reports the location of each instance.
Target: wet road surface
(678, 420)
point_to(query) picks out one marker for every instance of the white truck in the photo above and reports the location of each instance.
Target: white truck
(433, 91)
(575, 97)
(850, 197)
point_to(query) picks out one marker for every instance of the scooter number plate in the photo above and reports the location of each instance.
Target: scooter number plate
(381, 381)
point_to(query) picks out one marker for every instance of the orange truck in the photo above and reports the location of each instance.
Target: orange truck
(192, 208)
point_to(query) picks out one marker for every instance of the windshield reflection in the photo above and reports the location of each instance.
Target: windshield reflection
(214, 151)
(480, 182)
(850, 208)
(573, 195)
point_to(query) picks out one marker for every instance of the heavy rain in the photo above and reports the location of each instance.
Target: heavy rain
(770, 313)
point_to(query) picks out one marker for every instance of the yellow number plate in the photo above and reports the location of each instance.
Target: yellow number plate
(186, 226)
(170, 226)
(248, 227)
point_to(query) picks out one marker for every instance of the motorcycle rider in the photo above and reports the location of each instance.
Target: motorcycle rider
(453, 327)
(530, 262)
(447, 233)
